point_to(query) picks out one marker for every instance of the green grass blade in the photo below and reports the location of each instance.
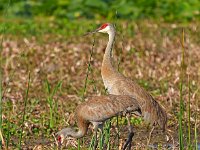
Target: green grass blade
(1, 95)
(107, 134)
(79, 144)
(181, 105)
(195, 124)
(24, 112)
(92, 142)
(52, 104)
(48, 86)
(58, 86)
(88, 70)
(189, 114)
(1, 78)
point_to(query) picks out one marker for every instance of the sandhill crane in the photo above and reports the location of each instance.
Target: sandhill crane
(96, 111)
(118, 84)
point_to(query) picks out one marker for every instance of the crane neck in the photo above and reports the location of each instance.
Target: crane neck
(75, 134)
(107, 59)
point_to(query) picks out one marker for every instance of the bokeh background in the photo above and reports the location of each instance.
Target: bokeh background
(167, 10)
(157, 45)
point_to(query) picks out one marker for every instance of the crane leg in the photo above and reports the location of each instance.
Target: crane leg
(96, 141)
(97, 126)
(130, 135)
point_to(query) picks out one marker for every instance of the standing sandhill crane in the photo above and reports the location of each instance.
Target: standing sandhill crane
(97, 110)
(118, 84)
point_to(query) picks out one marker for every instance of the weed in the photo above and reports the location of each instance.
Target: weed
(24, 112)
(1, 95)
(2, 31)
(52, 103)
(189, 144)
(195, 126)
(181, 105)
(88, 70)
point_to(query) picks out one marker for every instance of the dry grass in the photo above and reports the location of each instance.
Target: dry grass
(149, 53)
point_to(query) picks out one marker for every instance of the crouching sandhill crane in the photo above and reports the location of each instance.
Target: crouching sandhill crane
(118, 84)
(97, 110)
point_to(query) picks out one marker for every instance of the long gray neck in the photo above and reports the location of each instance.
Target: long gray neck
(107, 59)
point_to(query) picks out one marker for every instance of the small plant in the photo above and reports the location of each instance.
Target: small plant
(1, 47)
(181, 105)
(189, 114)
(24, 112)
(51, 102)
(195, 126)
(92, 142)
(107, 134)
(88, 71)
(8, 124)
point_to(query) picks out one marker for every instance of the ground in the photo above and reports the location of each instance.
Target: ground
(145, 51)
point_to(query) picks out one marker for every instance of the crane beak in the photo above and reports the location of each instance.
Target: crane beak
(92, 32)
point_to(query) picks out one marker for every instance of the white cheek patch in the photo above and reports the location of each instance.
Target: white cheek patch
(106, 29)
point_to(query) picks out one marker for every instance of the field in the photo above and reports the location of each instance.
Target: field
(49, 67)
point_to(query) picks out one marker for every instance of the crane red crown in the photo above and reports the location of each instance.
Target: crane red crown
(103, 26)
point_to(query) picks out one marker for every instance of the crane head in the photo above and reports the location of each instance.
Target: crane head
(104, 28)
(61, 135)
(60, 139)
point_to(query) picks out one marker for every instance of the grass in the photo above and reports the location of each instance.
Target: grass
(55, 51)
(51, 102)
(189, 142)
(181, 106)
(24, 112)
(1, 49)
(195, 128)
(8, 134)
(88, 70)
(2, 31)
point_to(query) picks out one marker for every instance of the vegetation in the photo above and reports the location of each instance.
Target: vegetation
(169, 10)
(48, 68)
